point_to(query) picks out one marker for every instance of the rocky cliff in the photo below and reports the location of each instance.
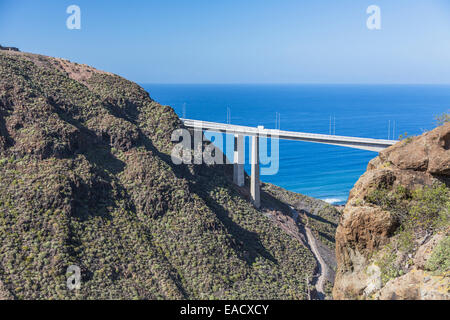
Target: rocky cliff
(392, 241)
(86, 179)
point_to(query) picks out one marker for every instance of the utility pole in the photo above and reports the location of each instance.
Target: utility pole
(389, 130)
(334, 132)
(393, 131)
(184, 110)
(330, 126)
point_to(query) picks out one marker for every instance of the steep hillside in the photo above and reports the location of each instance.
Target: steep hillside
(86, 179)
(393, 239)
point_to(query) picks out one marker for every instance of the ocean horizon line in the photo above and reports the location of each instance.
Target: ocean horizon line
(292, 84)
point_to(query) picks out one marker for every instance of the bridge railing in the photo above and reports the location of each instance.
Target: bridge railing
(281, 134)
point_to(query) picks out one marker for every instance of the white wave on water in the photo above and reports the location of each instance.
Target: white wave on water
(333, 200)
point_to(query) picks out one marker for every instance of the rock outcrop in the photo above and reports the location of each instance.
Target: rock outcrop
(374, 259)
(9, 48)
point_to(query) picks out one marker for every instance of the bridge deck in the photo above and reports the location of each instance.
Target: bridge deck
(352, 142)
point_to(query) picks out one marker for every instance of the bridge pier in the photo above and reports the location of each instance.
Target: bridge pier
(255, 184)
(239, 160)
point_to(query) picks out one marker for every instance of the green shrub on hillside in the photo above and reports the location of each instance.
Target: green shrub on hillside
(425, 208)
(420, 212)
(443, 118)
(387, 263)
(439, 261)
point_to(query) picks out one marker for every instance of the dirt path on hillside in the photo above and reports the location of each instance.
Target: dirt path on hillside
(323, 269)
(320, 285)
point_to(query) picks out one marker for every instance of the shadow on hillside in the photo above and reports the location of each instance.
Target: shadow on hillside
(94, 191)
(246, 244)
(317, 218)
(6, 140)
(324, 235)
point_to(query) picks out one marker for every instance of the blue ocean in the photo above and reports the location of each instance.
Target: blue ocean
(320, 171)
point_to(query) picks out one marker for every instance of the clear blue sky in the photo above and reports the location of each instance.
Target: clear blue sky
(241, 41)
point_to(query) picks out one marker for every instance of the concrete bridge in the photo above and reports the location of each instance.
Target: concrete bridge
(240, 132)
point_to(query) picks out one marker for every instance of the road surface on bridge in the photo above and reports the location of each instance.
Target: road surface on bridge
(369, 144)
